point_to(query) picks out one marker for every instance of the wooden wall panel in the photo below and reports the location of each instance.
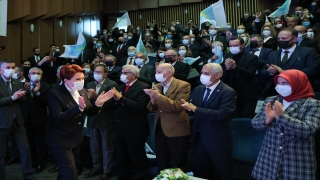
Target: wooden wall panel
(12, 43)
(169, 2)
(86, 7)
(46, 35)
(54, 8)
(77, 7)
(18, 9)
(30, 39)
(37, 8)
(125, 5)
(67, 7)
(146, 4)
(111, 22)
(110, 6)
(190, 1)
(71, 24)
(59, 33)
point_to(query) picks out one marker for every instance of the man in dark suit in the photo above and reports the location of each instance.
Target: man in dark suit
(303, 40)
(120, 51)
(131, 127)
(101, 125)
(146, 73)
(239, 69)
(35, 58)
(207, 41)
(172, 137)
(128, 42)
(191, 30)
(37, 118)
(246, 21)
(114, 72)
(11, 95)
(129, 59)
(290, 56)
(212, 106)
(50, 66)
(181, 69)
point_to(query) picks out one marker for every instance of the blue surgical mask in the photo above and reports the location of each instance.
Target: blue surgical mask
(138, 61)
(240, 31)
(130, 54)
(169, 36)
(306, 24)
(185, 41)
(98, 45)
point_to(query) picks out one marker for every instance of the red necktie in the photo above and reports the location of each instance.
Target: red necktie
(119, 49)
(130, 62)
(98, 50)
(127, 88)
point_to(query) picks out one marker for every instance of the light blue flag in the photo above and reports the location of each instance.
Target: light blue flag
(123, 21)
(74, 51)
(215, 15)
(190, 60)
(284, 9)
(218, 52)
(140, 47)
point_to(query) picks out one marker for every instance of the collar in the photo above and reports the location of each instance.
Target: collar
(23, 80)
(70, 90)
(100, 82)
(174, 63)
(266, 39)
(168, 84)
(5, 80)
(213, 87)
(131, 83)
(290, 50)
(61, 82)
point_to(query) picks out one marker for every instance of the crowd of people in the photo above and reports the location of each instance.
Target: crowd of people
(111, 87)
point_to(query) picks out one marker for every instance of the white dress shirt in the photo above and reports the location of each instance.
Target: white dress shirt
(166, 86)
(290, 52)
(75, 94)
(213, 87)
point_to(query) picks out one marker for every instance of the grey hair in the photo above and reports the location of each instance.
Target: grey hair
(133, 69)
(216, 68)
(35, 68)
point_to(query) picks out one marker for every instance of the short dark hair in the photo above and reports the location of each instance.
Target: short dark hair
(34, 49)
(105, 68)
(162, 48)
(25, 61)
(52, 45)
(20, 68)
(237, 38)
(294, 32)
(5, 61)
(259, 36)
(68, 71)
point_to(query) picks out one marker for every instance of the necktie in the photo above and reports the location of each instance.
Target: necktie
(127, 88)
(130, 62)
(285, 57)
(211, 39)
(31, 90)
(8, 86)
(254, 50)
(205, 100)
(100, 50)
(119, 48)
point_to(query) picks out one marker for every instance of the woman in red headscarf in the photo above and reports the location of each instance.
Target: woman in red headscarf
(291, 120)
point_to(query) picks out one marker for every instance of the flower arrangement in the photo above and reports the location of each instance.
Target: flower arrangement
(172, 174)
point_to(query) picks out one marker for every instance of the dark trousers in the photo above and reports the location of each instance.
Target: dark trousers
(65, 158)
(131, 152)
(38, 148)
(12, 149)
(102, 149)
(211, 164)
(245, 107)
(19, 135)
(171, 151)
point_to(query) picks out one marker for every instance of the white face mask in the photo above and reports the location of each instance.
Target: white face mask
(168, 45)
(110, 40)
(240, 31)
(98, 77)
(15, 76)
(87, 70)
(123, 78)
(104, 32)
(266, 32)
(192, 39)
(212, 31)
(138, 61)
(278, 25)
(8, 72)
(125, 36)
(160, 78)
(283, 90)
(129, 37)
(161, 55)
(244, 39)
(151, 29)
(94, 42)
(299, 38)
(310, 34)
(298, 12)
(147, 34)
(78, 85)
(235, 50)
(57, 50)
(205, 79)
(35, 78)
(182, 52)
(185, 41)
(130, 53)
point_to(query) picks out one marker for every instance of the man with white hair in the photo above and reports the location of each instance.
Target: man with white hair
(129, 60)
(147, 71)
(131, 126)
(212, 104)
(37, 118)
(171, 127)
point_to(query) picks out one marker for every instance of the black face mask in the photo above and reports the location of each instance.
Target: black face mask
(284, 44)
(120, 42)
(254, 44)
(37, 54)
(109, 63)
(169, 60)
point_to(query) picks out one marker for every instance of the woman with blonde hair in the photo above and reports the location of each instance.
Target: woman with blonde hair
(183, 51)
(269, 37)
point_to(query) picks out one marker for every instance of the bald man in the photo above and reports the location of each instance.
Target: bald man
(171, 122)
(120, 50)
(303, 40)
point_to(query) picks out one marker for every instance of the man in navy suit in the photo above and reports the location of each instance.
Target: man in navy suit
(11, 95)
(212, 105)
(289, 56)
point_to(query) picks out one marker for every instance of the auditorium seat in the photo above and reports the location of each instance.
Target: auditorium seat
(247, 142)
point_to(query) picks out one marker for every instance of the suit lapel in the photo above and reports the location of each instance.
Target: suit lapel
(131, 89)
(303, 42)
(199, 99)
(4, 86)
(261, 55)
(214, 94)
(294, 56)
(172, 87)
(67, 96)
(104, 86)
(243, 59)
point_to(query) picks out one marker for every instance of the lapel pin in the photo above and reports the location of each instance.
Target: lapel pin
(218, 90)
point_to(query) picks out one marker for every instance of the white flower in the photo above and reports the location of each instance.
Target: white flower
(165, 175)
(178, 175)
(164, 179)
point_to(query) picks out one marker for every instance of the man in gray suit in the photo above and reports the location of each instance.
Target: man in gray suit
(11, 95)
(101, 125)
(147, 71)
